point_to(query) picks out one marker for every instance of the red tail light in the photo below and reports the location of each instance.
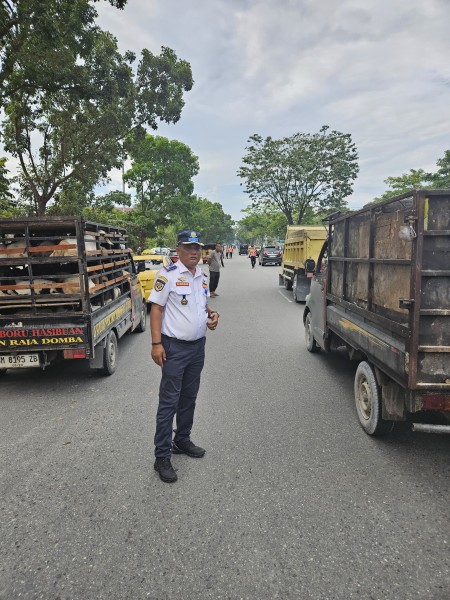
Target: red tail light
(78, 353)
(436, 402)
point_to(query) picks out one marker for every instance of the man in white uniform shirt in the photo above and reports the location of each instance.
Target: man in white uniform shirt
(179, 318)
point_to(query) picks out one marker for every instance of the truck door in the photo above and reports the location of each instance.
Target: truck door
(318, 296)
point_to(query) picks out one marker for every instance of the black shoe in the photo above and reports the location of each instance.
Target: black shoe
(165, 470)
(188, 448)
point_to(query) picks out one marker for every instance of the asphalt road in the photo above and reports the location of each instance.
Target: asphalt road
(292, 500)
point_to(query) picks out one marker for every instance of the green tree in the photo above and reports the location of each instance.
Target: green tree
(5, 193)
(417, 179)
(7, 205)
(201, 215)
(441, 179)
(73, 129)
(162, 171)
(256, 226)
(40, 40)
(210, 220)
(413, 180)
(301, 172)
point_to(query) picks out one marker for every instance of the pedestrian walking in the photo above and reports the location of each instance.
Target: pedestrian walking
(215, 261)
(230, 251)
(252, 254)
(178, 320)
(138, 250)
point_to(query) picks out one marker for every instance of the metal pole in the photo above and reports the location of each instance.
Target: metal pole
(424, 428)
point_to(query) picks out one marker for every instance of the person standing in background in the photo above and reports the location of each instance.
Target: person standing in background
(215, 261)
(230, 251)
(252, 254)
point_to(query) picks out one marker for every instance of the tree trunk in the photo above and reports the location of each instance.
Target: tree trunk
(41, 205)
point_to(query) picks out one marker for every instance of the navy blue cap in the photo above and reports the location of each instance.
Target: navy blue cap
(189, 237)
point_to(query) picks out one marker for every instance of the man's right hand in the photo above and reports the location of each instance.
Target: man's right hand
(159, 355)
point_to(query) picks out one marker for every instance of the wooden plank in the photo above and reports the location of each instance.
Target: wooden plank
(108, 283)
(101, 267)
(14, 251)
(64, 247)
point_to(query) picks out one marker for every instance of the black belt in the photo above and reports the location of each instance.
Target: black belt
(181, 341)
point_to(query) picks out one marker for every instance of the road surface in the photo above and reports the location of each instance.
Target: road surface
(292, 500)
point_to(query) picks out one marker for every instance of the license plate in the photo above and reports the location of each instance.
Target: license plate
(17, 361)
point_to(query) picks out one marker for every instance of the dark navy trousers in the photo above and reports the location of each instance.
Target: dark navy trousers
(178, 391)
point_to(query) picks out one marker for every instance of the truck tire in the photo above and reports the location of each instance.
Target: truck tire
(369, 401)
(143, 322)
(110, 354)
(294, 288)
(287, 284)
(311, 344)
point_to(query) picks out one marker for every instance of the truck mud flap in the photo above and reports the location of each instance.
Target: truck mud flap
(302, 289)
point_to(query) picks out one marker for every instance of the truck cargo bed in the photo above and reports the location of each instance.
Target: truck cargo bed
(390, 265)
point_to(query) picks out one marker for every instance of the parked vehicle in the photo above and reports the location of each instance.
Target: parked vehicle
(206, 251)
(270, 255)
(243, 249)
(301, 250)
(155, 258)
(173, 255)
(147, 270)
(381, 289)
(68, 289)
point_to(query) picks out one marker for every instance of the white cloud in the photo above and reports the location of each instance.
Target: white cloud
(377, 69)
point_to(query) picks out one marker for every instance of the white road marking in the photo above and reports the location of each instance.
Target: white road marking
(280, 292)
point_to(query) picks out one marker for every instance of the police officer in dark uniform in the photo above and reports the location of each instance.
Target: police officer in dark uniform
(179, 318)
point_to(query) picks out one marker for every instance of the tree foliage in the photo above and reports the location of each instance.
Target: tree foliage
(71, 98)
(162, 171)
(258, 226)
(7, 205)
(416, 179)
(301, 172)
(33, 51)
(441, 178)
(210, 220)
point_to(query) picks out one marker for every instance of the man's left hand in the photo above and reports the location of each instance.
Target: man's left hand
(213, 321)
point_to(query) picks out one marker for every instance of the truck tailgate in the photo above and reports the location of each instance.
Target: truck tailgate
(430, 364)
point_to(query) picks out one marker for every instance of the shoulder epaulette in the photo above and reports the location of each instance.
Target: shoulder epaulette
(170, 267)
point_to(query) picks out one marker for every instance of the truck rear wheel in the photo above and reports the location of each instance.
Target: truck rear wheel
(110, 354)
(143, 322)
(311, 344)
(369, 402)
(294, 288)
(287, 284)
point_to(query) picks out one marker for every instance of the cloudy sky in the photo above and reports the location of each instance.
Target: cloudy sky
(377, 69)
